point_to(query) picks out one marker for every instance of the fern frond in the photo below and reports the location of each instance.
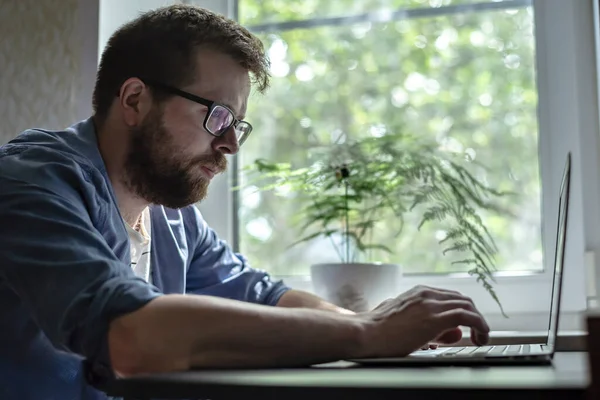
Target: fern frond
(425, 194)
(483, 265)
(434, 213)
(476, 235)
(486, 285)
(452, 234)
(458, 246)
(466, 261)
(312, 236)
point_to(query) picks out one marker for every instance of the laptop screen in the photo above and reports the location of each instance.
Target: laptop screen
(559, 253)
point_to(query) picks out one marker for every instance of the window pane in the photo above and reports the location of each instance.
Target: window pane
(255, 12)
(465, 79)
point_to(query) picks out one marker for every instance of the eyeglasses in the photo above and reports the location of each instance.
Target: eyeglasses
(219, 117)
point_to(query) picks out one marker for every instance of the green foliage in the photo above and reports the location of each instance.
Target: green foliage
(351, 187)
(464, 81)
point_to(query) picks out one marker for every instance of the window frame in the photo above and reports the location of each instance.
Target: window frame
(568, 120)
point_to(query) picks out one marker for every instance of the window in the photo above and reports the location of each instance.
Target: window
(461, 73)
(547, 69)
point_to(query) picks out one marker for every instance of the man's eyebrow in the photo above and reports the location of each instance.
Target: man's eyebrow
(228, 106)
(239, 117)
(210, 95)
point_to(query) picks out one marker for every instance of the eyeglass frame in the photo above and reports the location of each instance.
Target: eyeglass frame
(205, 102)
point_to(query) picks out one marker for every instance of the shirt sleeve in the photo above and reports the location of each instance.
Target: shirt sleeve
(58, 263)
(217, 271)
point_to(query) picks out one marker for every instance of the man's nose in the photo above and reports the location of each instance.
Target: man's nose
(227, 143)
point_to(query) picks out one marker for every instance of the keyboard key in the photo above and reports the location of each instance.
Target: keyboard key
(468, 350)
(483, 350)
(452, 351)
(498, 349)
(526, 349)
(514, 349)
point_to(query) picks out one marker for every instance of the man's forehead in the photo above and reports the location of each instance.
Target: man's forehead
(219, 78)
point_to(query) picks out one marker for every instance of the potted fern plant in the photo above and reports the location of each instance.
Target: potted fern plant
(352, 188)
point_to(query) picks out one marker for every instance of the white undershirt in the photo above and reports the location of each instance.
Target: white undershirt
(140, 247)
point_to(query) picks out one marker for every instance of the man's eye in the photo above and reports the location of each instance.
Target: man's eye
(221, 113)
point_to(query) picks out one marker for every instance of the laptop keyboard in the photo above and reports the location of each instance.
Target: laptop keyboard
(518, 349)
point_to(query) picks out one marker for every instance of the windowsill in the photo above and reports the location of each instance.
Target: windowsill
(525, 298)
(528, 312)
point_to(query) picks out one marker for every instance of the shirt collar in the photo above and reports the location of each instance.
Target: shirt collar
(87, 144)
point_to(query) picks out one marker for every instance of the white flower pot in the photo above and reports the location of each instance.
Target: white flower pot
(356, 286)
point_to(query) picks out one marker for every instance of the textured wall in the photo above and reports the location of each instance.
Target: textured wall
(40, 65)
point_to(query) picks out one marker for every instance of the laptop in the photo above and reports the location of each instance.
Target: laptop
(526, 353)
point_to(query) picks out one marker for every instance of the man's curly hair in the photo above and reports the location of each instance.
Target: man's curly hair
(162, 45)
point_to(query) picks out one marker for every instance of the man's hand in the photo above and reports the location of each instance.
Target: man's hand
(423, 315)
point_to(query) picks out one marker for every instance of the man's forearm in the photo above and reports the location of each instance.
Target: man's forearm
(300, 299)
(176, 332)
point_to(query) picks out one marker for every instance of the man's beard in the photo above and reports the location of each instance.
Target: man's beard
(154, 172)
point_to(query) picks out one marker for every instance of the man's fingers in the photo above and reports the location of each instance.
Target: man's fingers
(439, 306)
(443, 294)
(479, 338)
(461, 317)
(440, 290)
(439, 294)
(450, 336)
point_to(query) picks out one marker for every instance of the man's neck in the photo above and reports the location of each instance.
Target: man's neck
(112, 144)
(130, 206)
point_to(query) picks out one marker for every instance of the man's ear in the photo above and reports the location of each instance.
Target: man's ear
(135, 101)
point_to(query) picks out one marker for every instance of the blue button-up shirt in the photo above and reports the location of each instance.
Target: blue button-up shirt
(65, 264)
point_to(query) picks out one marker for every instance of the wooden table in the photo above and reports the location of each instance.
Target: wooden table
(566, 378)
